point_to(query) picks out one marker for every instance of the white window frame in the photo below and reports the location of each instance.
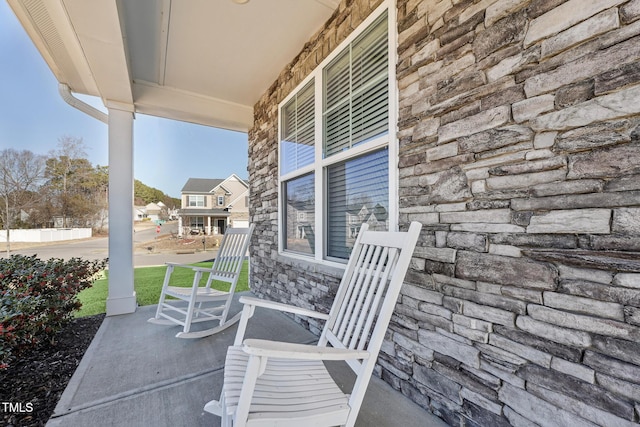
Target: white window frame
(220, 200)
(194, 219)
(320, 164)
(196, 201)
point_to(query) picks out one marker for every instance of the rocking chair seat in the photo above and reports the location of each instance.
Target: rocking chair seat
(294, 390)
(210, 294)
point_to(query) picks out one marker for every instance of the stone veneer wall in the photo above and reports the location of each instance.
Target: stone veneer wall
(519, 133)
(272, 276)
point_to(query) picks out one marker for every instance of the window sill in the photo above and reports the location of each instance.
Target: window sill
(311, 265)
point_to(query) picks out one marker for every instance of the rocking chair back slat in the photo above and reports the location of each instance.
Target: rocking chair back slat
(362, 290)
(360, 307)
(338, 326)
(351, 302)
(229, 258)
(392, 258)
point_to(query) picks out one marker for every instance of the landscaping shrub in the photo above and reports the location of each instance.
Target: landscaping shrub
(37, 298)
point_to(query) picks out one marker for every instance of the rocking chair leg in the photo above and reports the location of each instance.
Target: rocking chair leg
(227, 420)
(214, 407)
(165, 283)
(192, 301)
(218, 407)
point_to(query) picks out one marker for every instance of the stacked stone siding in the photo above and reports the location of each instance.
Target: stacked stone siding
(519, 136)
(272, 276)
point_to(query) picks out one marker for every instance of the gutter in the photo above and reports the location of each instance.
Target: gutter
(65, 93)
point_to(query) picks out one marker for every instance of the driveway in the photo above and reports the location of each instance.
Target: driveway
(98, 248)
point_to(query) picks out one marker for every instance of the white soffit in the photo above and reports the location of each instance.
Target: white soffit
(235, 52)
(98, 28)
(201, 61)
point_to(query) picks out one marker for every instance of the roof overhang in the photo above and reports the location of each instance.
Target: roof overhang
(203, 212)
(199, 61)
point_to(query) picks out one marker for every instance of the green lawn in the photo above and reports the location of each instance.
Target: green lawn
(148, 284)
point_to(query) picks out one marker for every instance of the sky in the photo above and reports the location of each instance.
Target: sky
(34, 117)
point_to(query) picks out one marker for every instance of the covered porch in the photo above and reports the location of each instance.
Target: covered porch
(200, 62)
(202, 221)
(509, 128)
(136, 373)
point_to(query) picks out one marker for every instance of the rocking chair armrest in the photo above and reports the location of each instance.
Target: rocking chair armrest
(257, 302)
(191, 267)
(283, 350)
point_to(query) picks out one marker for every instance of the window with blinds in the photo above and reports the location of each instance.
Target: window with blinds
(357, 192)
(347, 179)
(297, 131)
(356, 91)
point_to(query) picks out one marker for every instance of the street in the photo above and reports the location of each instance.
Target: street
(98, 248)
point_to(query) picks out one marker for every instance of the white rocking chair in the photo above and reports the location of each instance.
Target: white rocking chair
(202, 302)
(268, 383)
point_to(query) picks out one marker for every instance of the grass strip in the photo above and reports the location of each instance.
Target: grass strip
(147, 282)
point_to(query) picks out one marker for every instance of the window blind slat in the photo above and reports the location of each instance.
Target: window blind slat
(337, 79)
(372, 63)
(338, 130)
(288, 121)
(298, 131)
(356, 91)
(371, 114)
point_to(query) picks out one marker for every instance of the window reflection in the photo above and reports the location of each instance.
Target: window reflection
(300, 218)
(358, 192)
(297, 129)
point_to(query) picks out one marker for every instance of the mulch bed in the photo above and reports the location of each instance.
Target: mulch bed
(33, 384)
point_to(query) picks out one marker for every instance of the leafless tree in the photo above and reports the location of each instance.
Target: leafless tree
(66, 164)
(21, 173)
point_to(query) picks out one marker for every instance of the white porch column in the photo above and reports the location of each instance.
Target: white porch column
(180, 226)
(122, 297)
(209, 233)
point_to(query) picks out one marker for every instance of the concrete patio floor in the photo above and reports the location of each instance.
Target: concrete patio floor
(138, 374)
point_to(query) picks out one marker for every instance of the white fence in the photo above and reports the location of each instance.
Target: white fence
(45, 234)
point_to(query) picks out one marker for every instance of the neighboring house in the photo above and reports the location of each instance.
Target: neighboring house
(154, 211)
(209, 206)
(167, 212)
(299, 222)
(139, 213)
(173, 213)
(66, 222)
(509, 128)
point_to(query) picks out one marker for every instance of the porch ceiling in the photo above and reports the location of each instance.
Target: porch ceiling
(199, 61)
